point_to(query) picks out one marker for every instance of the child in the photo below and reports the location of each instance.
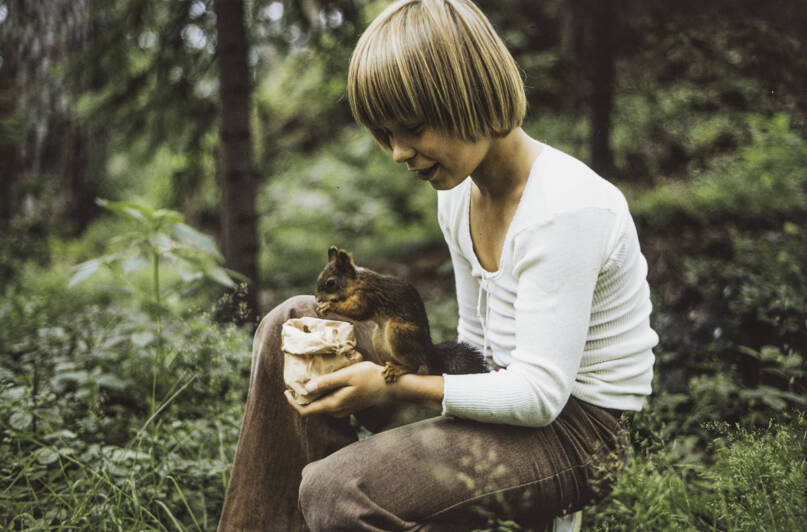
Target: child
(551, 288)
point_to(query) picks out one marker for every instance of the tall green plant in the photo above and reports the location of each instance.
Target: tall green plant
(159, 238)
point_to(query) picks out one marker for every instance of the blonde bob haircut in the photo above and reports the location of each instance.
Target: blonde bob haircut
(438, 63)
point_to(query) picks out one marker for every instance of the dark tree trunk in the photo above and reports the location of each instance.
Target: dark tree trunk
(238, 178)
(77, 189)
(588, 38)
(9, 145)
(602, 89)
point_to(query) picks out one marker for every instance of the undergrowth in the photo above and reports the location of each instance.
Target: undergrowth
(747, 480)
(81, 448)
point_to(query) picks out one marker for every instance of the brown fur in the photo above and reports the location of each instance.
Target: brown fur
(402, 341)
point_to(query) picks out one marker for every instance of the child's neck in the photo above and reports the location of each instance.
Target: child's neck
(503, 172)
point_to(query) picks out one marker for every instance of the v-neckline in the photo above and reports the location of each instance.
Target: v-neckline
(507, 235)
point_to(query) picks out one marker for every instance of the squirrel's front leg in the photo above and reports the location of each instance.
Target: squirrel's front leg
(392, 371)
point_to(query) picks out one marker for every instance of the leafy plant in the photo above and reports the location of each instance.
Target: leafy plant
(80, 448)
(160, 238)
(160, 235)
(753, 480)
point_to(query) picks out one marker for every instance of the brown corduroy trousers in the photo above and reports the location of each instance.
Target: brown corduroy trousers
(292, 473)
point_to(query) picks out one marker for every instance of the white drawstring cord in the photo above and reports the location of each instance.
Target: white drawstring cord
(483, 287)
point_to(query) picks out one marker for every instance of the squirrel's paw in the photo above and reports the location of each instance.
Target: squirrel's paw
(324, 308)
(392, 371)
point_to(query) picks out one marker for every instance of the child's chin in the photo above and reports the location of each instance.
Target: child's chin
(445, 184)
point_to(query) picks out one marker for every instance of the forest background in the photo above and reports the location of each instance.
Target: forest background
(171, 169)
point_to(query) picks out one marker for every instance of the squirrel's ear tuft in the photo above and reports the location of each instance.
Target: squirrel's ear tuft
(343, 258)
(332, 251)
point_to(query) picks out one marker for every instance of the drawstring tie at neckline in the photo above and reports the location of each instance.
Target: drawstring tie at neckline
(484, 286)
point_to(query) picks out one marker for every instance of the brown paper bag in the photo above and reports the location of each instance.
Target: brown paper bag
(314, 347)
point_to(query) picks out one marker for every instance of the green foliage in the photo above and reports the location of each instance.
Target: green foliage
(759, 479)
(80, 447)
(755, 480)
(443, 315)
(351, 195)
(763, 182)
(726, 252)
(728, 266)
(300, 106)
(160, 236)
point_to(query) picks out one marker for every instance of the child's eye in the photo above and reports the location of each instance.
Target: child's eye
(381, 136)
(414, 129)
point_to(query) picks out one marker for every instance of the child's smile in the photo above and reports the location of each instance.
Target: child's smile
(439, 158)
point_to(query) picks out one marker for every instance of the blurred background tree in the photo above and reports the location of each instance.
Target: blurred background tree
(122, 99)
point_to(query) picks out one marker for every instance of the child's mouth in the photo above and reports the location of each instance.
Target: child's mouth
(427, 173)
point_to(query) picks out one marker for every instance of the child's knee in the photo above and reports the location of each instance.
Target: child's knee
(294, 307)
(323, 499)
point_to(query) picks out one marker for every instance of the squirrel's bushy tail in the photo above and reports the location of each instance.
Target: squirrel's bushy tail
(460, 358)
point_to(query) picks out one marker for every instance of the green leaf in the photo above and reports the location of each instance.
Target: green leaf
(221, 276)
(128, 210)
(162, 241)
(167, 215)
(21, 420)
(768, 395)
(192, 276)
(79, 377)
(113, 341)
(14, 394)
(237, 275)
(120, 455)
(142, 339)
(187, 234)
(84, 271)
(62, 434)
(111, 382)
(46, 456)
(748, 351)
(134, 263)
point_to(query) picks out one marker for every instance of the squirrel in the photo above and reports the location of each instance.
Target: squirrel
(402, 340)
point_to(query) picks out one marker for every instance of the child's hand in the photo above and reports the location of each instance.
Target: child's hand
(353, 388)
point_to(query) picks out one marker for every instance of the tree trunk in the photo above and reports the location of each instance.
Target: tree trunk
(602, 89)
(9, 145)
(238, 178)
(78, 190)
(588, 37)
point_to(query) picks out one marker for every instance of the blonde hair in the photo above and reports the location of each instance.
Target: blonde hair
(438, 63)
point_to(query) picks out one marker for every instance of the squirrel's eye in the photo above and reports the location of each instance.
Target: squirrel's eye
(330, 284)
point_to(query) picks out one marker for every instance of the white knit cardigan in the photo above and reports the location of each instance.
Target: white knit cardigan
(567, 313)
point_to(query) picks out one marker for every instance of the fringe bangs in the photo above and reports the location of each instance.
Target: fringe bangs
(437, 62)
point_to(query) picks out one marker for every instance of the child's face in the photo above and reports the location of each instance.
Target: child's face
(439, 158)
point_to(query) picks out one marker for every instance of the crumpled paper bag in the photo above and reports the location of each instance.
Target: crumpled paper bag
(314, 347)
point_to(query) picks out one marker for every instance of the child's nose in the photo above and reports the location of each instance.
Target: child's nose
(401, 152)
